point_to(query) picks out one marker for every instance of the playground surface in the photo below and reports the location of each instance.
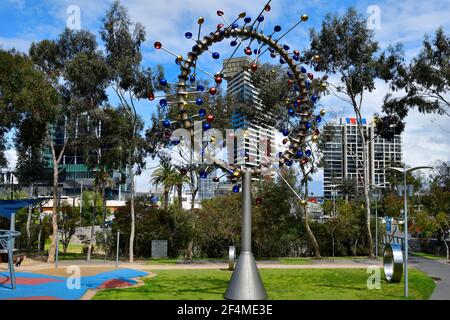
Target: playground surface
(59, 284)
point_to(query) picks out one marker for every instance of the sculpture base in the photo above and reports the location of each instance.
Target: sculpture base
(246, 283)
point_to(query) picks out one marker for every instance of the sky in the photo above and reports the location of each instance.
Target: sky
(426, 137)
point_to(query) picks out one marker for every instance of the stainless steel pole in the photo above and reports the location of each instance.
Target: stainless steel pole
(376, 226)
(406, 233)
(246, 282)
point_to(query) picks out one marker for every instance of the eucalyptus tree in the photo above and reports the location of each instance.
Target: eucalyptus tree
(78, 73)
(131, 82)
(348, 50)
(423, 83)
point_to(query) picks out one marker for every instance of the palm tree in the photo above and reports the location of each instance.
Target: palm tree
(177, 179)
(102, 181)
(163, 175)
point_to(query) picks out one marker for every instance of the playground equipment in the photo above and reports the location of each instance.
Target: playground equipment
(299, 129)
(8, 209)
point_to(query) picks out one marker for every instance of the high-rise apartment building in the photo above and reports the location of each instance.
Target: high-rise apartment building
(343, 155)
(257, 128)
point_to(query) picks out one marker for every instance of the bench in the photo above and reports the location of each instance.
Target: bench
(17, 257)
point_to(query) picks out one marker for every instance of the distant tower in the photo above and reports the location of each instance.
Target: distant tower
(343, 154)
(241, 88)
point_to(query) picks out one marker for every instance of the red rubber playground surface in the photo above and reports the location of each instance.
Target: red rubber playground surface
(36, 286)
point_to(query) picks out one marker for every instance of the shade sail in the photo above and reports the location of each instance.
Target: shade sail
(8, 207)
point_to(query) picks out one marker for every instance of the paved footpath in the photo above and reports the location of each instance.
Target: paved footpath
(436, 269)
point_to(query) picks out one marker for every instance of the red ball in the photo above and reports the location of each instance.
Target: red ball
(167, 134)
(151, 96)
(258, 201)
(254, 66)
(158, 45)
(213, 91)
(310, 76)
(210, 118)
(248, 51)
(218, 79)
(219, 13)
(183, 171)
(220, 26)
(267, 7)
(289, 82)
(285, 141)
(304, 161)
(296, 52)
(216, 179)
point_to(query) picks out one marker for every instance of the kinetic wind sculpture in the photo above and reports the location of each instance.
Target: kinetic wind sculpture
(246, 34)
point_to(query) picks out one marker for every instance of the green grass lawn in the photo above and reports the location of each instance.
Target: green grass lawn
(281, 284)
(427, 255)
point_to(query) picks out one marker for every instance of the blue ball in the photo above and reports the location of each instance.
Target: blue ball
(206, 126)
(282, 61)
(308, 125)
(303, 70)
(236, 189)
(203, 175)
(296, 104)
(192, 79)
(216, 55)
(199, 101)
(296, 58)
(280, 154)
(233, 43)
(163, 82)
(289, 163)
(188, 35)
(175, 142)
(195, 48)
(300, 153)
(290, 74)
(163, 103)
(314, 98)
(286, 47)
(261, 18)
(277, 28)
(202, 112)
(318, 119)
(200, 88)
(166, 123)
(285, 132)
(291, 112)
(307, 83)
(234, 26)
(308, 153)
(247, 20)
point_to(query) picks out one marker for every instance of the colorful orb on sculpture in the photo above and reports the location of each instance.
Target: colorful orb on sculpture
(216, 55)
(199, 101)
(236, 189)
(248, 20)
(212, 91)
(202, 113)
(206, 126)
(157, 45)
(203, 175)
(163, 82)
(258, 201)
(166, 123)
(210, 118)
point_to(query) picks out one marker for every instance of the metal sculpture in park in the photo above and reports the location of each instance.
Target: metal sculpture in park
(244, 33)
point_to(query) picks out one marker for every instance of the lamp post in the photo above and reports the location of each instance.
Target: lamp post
(376, 196)
(333, 186)
(405, 171)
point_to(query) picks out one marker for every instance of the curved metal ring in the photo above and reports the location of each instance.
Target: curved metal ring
(214, 37)
(231, 258)
(393, 262)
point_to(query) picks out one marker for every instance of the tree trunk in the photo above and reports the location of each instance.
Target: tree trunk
(180, 197)
(332, 241)
(91, 240)
(30, 210)
(132, 231)
(166, 199)
(52, 249)
(366, 182)
(311, 236)
(105, 238)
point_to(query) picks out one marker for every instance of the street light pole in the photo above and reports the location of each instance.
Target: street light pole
(405, 171)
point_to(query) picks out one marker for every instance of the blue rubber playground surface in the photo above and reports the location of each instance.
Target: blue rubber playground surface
(34, 286)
